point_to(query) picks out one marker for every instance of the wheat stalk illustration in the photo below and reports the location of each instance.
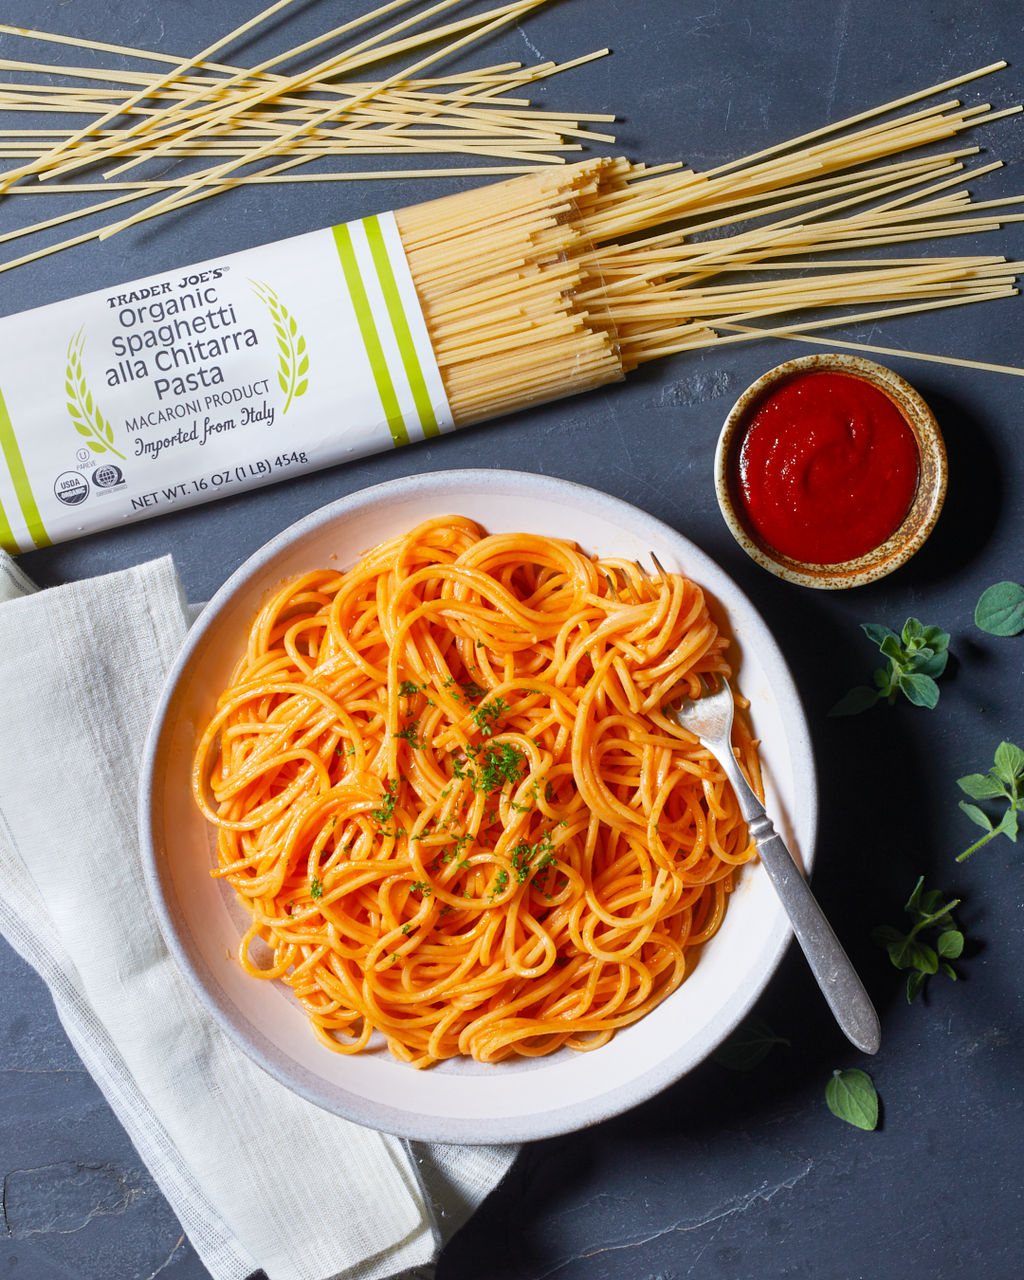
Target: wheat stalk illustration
(85, 413)
(293, 359)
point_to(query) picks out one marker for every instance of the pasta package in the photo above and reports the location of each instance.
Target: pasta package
(396, 327)
(228, 374)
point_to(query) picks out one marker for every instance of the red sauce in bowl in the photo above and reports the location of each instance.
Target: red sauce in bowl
(827, 468)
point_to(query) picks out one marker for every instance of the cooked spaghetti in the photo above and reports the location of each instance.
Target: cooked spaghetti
(445, 790)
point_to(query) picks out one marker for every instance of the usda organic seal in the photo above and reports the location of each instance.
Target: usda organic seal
(71, 488)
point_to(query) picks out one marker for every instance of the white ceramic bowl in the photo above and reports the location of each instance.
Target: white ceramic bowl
(458, 1101)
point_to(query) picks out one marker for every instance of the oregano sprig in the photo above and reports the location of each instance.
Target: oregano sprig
(916, 658)
(930, 915)
(1004, 782)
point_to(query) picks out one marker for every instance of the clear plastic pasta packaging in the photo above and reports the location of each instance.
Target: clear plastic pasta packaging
(444, 790)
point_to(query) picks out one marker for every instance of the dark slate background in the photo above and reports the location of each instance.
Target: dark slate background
(724, 1176)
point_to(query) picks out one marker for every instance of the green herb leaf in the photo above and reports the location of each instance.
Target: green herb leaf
(976, 815)
(887, 936)
(856, 701)
(981, 786)
(930, 666)
(1004, 783)
(935, 638)
(1000, 610)
(930, 913)
(876, 633)
(922, 958)
(851, 1096)
(917, 657)
(921, 690)
(892, 648)
(748, 1046)
(1009, 762)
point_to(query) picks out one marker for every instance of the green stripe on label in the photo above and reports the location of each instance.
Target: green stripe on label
(19, 478)
(7, 534)
(371, 339)
(400, 325)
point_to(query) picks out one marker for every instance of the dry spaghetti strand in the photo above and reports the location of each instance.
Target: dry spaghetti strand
(444, 789)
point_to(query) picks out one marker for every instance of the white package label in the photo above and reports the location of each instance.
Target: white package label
(229, 374)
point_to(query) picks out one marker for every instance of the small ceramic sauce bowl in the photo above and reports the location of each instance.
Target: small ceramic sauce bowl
(910, 533)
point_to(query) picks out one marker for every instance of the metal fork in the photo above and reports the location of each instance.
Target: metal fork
(709, 718)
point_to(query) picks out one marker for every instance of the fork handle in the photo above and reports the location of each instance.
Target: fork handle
(830, 964)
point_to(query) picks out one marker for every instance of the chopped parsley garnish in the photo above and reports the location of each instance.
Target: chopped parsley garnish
(421, 886)
(316, 889)
(500, 883)
(467, 689)
(409, 688)
(387, 808)
(530, 859)
(450, 855)
(491, 767)
(487, 715)
(461, 768)
(521, 861)
(409, 734)
(500, 763)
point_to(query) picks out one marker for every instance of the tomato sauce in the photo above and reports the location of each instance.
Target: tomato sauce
(827, 468)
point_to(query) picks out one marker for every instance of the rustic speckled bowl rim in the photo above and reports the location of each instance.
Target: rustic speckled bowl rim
(920, 519)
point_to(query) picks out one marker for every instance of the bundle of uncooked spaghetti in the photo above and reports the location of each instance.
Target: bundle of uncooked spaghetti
(563, 280)
(212, 127)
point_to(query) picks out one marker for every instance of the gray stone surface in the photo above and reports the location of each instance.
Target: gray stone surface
(725, 1176)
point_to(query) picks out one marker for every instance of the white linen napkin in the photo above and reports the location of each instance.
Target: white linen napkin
(258, 1178)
